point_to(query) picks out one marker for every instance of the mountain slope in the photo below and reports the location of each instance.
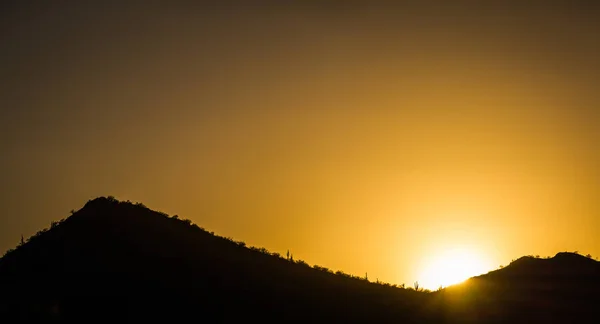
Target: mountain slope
(561, 289)
(115, 260)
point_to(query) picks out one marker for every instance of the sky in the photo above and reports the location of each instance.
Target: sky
(367, 137)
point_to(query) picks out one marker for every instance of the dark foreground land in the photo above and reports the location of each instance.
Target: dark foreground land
(118, 261)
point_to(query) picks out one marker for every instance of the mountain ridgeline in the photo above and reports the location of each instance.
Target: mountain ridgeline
(115, 260)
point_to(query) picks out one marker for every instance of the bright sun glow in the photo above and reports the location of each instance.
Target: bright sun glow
(452, 267)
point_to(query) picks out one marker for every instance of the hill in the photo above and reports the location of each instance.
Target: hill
(561, 289)
(118, 260)
(114, 260)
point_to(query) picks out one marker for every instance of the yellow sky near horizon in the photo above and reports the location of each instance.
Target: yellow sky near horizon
(364, 138)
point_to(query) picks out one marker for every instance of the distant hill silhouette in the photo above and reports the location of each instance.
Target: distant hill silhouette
(561, 289)
(115, 260)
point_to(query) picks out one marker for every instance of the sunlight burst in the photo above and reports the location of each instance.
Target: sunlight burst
(452, 267)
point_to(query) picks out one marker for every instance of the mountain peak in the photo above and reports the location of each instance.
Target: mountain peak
(102, 200)
(572, 256)
(563, 264)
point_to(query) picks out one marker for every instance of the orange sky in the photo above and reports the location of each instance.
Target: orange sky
(361, 137)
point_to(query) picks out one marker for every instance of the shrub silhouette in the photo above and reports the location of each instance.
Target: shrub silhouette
(324, 269)
(302, 263)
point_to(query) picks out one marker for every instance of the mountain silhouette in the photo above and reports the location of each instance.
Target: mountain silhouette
(561, 289)
(114, 260)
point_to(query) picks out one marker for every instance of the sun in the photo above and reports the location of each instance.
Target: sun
(451, 267)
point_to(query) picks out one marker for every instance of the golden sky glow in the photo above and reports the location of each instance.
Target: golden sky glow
(451, 266)
(366, 138)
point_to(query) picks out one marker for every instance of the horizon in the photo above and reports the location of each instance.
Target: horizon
(418, 285)
(428, 282)
(362, 136)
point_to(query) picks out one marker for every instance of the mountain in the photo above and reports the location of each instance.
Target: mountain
(116, 260)
(561, 289)
(113, 260)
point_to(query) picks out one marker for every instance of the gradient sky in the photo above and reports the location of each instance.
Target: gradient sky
(361, 136)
